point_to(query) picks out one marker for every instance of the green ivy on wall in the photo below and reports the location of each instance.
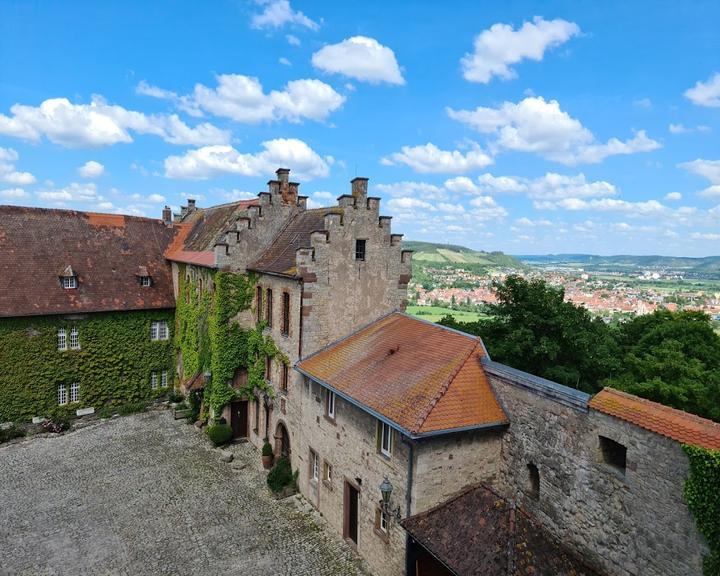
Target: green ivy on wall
(112, 367)
(702, 494)
(211, 338)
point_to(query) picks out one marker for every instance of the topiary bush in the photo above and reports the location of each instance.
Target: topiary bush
(219, 433)
(281, 475)
(267, 449)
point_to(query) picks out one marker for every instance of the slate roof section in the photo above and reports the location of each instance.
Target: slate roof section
(663, 420)
(201, 229)
(423, 378)
(279, 257)
(105, 251)
(478, 533)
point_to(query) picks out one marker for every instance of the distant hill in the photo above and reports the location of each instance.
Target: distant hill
(430, 253)
(709, 265)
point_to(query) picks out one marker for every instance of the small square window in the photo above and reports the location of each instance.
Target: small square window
(360, 249)
(74, 339)
(69, 282)
(62, 339)
(74, 392)
(613, 453)
(145, 281)
(62, 395)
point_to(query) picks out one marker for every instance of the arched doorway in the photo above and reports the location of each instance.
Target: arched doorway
(282, 441)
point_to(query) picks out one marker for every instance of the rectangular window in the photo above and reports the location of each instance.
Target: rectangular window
(284, 382)
(74, 392)
(285, 328)
(613, 453)
(153, 380)
(381, 523)
(62, 395)
(327, 472)
(145, 281)
(256, 422)
(314, 465)
(258, 303)
(330, 405)
(268, 368)
(163, 379)
(74, 339)
(62, 339)
(69, 282)
(268, 307)
(159, 331)
(386, 439)
(360, 249)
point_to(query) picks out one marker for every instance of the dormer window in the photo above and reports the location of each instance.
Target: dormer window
(145, 281)
(68, 278)
(143, 277)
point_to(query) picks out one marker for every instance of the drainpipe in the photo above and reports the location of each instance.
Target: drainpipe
(408, 501)
(300, 330)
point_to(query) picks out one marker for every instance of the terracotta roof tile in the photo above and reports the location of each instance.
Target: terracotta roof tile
(663, 420)
(421, 376)
(279, 257)
(105, 251)
(477, 531)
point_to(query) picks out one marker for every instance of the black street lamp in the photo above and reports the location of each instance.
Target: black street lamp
(386, 489)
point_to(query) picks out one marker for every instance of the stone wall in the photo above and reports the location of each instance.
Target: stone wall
(340, 293)
(631, 523)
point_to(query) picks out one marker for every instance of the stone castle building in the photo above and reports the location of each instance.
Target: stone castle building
(484, 469)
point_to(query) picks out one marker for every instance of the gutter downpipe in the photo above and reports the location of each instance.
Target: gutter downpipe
(408, 502)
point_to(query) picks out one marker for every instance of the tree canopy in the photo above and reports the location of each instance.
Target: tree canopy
(668, 357)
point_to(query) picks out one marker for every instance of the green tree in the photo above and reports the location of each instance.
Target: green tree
(533, 329)
(672, 358)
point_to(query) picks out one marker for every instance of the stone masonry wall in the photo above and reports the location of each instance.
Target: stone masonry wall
(446, 464)
(340, 293)
(625, 524)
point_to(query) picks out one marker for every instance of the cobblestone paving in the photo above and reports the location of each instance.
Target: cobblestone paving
(146, 495)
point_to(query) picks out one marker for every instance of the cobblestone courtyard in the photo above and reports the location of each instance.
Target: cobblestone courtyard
(146, 495)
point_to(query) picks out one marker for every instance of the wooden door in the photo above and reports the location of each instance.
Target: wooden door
(351, 512)
(239, 419)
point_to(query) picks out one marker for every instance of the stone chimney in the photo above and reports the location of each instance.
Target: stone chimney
(288, 190)
(359, 188)
(191, 204)
(167, 216)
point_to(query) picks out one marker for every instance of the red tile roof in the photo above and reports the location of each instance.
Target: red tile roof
(279, 257)
(423, 377)
(666, 421)
(477, 531)
(201, 229)
(104, 250)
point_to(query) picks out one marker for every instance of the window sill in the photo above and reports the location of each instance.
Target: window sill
(384, 536)
(328, 485)
(330, 420)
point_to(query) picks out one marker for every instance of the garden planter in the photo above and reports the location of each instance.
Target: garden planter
(267, 462)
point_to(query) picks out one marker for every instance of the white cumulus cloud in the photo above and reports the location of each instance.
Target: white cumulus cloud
(278, 13)
(212, 161)
(100, 124)
(360, 57)
(8, 158)
(497, 48)
(428, 158)
(705, 93)
(708, 169)
(673, 196)
(74, 192)
(541, 127)
(91, 169)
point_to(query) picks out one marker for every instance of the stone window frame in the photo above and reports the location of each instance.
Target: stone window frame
(74, 339)
(258, 303)
(612, 455)
(360, 249)
(533, 483)
(327, 473)
(330, 402)
(382, 524)
(269, 307)
(285, 321)
(314, 466)
(386, 453)
(62, 344)
(256, 420)
(268, 369)
(284, 377)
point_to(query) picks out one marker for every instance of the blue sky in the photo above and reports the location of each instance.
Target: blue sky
(527, 127)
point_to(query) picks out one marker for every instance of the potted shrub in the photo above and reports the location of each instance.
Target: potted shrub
(220, 434)
(267, 455)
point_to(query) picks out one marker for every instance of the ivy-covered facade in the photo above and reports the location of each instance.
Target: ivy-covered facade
(112, 363)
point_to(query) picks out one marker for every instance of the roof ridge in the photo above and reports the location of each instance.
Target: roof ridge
(442, 327)
(443, 389)
(77, 212)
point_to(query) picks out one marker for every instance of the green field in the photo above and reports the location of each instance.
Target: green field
(435, 313)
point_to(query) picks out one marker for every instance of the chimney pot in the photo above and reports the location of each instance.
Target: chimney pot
(191, 203)
(283, 174)
(167, 215)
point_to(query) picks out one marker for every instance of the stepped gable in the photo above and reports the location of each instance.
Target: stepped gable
(105, 253)
(424, 378)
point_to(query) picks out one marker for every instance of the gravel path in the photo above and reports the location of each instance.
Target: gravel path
(145, 494)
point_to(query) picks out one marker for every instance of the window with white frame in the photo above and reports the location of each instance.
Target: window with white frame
(330, 405)
(159, 330)
(69, 282)
(145, 281)
(327, 472)
(163, 379)
(153, 380)
(74, 339)
(383, 521)
(61, 339)
(314, 465)
(386, 438)
(62, 395)
(74, 391)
